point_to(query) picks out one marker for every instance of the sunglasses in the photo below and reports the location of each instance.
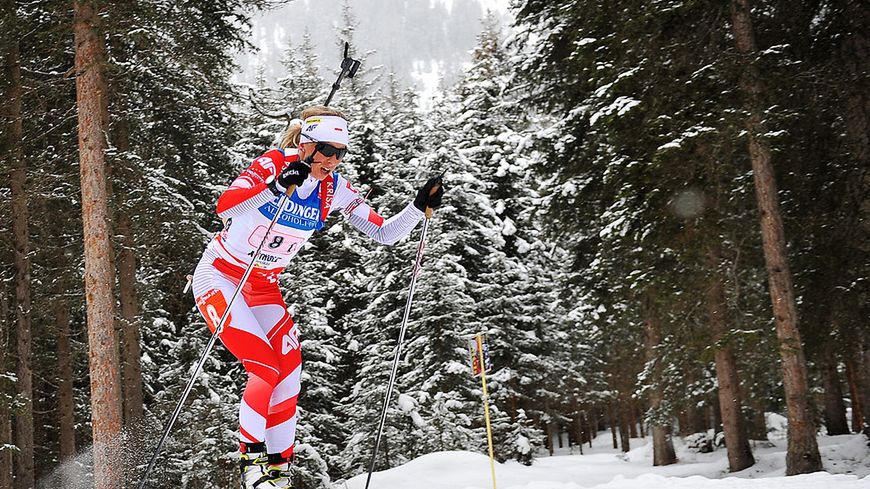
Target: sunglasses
(329, 150)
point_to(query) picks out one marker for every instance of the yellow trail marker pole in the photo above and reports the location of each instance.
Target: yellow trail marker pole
(479, 341)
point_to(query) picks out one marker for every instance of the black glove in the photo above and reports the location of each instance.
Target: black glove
(293, 174)
(424, 199)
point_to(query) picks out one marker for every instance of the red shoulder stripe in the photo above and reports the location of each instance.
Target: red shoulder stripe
(252, 180)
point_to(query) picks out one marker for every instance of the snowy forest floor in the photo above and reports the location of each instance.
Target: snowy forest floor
(846, 459)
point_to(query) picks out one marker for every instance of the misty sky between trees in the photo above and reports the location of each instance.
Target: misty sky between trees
(426, 44)
(656, 211)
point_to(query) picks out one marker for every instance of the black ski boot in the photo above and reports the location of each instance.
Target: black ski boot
(277, 474)
(252, 463)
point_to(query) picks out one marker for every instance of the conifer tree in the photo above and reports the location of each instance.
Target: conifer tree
(803, 453)
(373, 330)
(91, 89)
(12, 119)
(517, 290)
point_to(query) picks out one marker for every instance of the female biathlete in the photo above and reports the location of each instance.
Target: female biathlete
(259, 330)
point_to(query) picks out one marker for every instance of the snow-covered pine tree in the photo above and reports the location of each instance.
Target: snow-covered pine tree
(517, 291)
(646, 113)
(437, 400)
(611, 174)
(434, 374)
(40, 158)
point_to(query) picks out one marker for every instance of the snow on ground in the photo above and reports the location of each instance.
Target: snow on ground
(846, 460)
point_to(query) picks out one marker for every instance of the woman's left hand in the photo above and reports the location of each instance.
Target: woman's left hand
(430, 194)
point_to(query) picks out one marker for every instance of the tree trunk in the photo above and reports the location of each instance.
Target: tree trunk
(632, 417)
(65, 399)
(132, 350)
(692, 417)
(865, 400)
(736, 441)
(551, 437)
(611, 420)
(593, 425)
(695, 419)
(639, 415)
(716, 416)
(24, 473)
(6, 440)
(682, 423)
(757, 424)
(624, 408)
(803, 451)
(857, 402)
(99, 276)
(663, 446)
(855, 61)
(579, 422)
(835, 408)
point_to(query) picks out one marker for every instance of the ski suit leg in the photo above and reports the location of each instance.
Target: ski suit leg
(245, 338)
(284, 338)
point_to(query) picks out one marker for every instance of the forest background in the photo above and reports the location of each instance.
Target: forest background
(657, 211)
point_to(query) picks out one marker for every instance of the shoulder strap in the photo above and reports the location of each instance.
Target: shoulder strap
(327, 194)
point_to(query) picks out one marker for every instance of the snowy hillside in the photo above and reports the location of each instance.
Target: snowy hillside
(846, 459)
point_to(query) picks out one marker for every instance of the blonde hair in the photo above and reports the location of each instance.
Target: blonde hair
(291, 135)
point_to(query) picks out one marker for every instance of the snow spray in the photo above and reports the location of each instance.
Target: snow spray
(125, 454)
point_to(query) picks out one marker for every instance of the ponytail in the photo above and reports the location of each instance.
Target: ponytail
(290, 139)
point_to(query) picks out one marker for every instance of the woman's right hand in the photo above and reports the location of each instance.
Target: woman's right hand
(293, 174)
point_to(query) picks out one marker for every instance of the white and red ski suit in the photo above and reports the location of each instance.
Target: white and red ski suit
(260, 332)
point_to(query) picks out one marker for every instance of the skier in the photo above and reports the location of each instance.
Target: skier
(260, 331)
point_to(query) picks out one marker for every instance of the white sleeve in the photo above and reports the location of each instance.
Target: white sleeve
(364, 218)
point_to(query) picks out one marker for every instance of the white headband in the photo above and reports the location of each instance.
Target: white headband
(326, 128)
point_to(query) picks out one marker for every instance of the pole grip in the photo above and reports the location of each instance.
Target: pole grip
(429, 210)
(290, 190)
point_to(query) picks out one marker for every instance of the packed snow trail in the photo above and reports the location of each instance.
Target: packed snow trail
(846, 457)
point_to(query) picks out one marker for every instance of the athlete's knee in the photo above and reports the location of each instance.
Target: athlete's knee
(267, 371)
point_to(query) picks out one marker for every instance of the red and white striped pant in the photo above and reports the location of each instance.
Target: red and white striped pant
(261, 334)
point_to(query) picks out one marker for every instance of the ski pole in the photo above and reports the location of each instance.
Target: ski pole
(418, 264)
(348, 68)
(213, 339)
